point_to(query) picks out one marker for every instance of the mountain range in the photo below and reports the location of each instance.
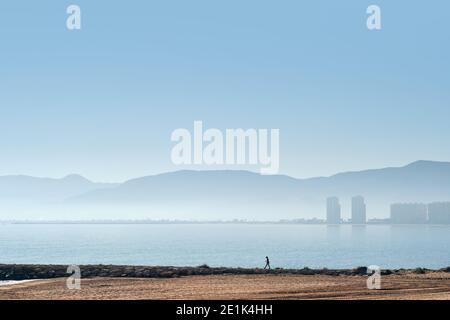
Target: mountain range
(222, 194)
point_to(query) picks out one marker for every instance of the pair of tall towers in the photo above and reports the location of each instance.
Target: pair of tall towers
(358, 210)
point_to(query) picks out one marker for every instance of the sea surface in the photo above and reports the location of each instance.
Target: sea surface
(230, 245)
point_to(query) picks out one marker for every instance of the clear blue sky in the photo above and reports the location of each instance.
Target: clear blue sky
(103, 101)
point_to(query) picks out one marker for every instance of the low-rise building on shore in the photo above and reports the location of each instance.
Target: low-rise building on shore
(409, 213)
(439, 213)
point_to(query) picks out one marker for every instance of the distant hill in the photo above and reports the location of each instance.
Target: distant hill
(222, 195)
(242, 194)
(418, 181)
(22, 188)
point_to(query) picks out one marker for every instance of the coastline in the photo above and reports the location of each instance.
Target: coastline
(17, 272)
(312, 221)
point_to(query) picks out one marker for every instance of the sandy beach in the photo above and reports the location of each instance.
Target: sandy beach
(409, 286)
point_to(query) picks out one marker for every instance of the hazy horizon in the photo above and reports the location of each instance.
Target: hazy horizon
(221, 194)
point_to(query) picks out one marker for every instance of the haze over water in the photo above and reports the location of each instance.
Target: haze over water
(230, 245)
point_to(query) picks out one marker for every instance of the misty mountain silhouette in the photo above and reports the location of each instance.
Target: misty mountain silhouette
(219, 191)
(33, 189)
(241, 194)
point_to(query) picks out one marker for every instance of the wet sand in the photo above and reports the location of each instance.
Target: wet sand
(408, 286)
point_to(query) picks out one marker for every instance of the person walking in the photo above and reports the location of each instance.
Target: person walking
(267, 264)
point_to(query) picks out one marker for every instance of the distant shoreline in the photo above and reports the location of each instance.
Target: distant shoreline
(200, 222)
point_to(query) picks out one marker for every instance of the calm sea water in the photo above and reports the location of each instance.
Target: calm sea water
(288, 246)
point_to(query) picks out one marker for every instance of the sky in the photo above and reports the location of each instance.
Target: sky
(103, 101)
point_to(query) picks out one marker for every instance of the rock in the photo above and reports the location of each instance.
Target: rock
(419, 271)
(360, 271)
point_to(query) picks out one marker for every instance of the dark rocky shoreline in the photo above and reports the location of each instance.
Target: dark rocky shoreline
(27, 272)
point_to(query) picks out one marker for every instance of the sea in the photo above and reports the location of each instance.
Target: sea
(228, 245)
